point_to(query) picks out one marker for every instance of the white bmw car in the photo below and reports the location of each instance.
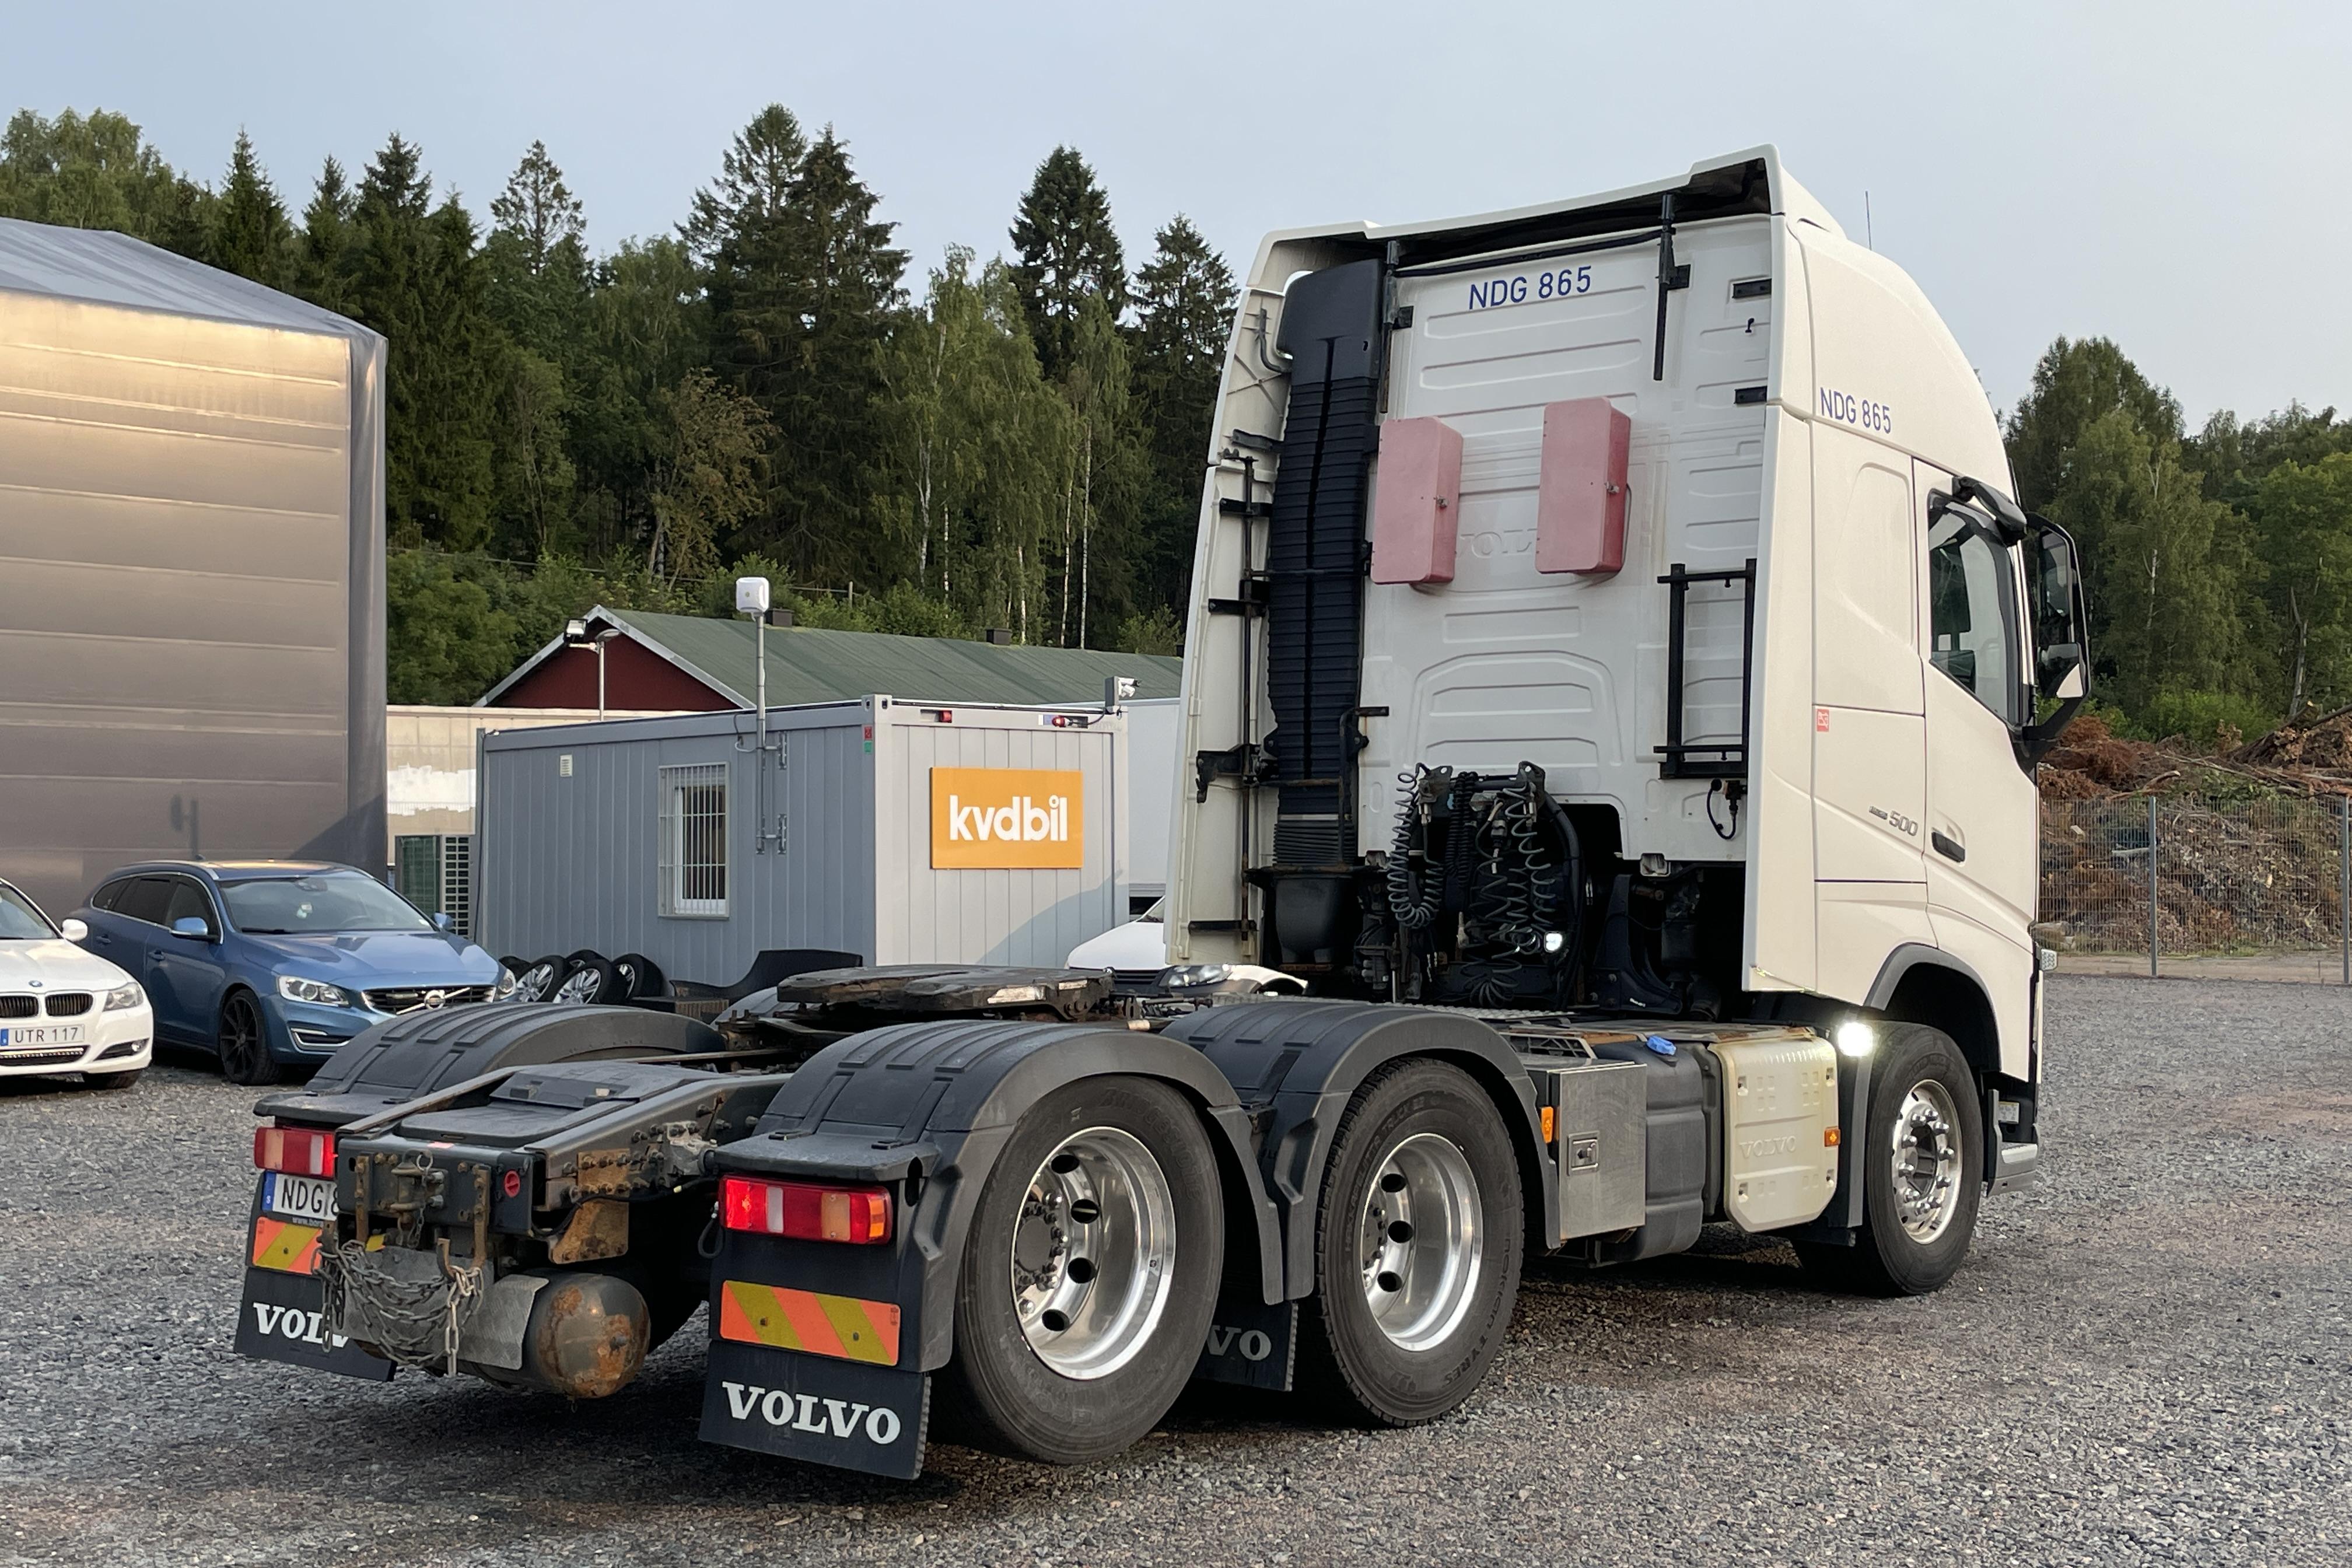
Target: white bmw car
(64, 1010)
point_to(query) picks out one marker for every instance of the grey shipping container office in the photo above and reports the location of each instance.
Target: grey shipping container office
(192, 624)
(901, 831)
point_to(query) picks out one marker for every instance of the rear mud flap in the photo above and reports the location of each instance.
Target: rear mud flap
(828, 1412)
(1251, 1343)
(281, 1318)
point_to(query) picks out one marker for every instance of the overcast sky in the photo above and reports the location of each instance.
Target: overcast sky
(2170, 175)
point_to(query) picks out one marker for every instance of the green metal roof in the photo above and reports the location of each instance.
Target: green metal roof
(809, 665)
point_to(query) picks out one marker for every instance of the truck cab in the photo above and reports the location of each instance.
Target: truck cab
(1678, 522)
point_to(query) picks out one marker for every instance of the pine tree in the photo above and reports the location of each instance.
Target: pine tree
(1069, 253)
(317, 267)
(536, 256)
(414, 276)
(1184, 308)
(803, 285)
(250, 235)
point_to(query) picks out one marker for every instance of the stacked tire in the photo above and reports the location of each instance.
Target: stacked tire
(586, 976)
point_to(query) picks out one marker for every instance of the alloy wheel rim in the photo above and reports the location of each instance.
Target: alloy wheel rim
(533, 982)
(1925, 1155)
(239, 1035)
(580, 985)
(1419, 1243)
(1094, 1253)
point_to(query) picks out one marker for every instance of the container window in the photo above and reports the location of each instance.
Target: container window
(693, 834)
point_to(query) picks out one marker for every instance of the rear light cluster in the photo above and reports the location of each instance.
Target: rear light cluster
(297, 1151)
(804, 1210)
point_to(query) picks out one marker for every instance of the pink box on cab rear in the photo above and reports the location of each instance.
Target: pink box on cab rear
(1414, 501)
(1580, 495)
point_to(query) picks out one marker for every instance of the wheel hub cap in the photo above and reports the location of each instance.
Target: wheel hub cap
(1419, 1243)
(1927, 1166)
(1094, 1253)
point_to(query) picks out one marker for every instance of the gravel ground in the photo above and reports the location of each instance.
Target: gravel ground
(2145, 1360)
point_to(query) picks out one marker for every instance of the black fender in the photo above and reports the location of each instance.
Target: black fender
(416, 1053)
(1304, 1061)
(933, 1105)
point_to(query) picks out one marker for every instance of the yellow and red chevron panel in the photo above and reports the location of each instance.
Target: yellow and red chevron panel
(284, 1246)
(847, 1327)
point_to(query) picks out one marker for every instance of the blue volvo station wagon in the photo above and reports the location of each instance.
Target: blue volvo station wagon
(274, 964)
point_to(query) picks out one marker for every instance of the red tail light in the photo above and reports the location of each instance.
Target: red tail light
(805, 1211)
(297, 1151)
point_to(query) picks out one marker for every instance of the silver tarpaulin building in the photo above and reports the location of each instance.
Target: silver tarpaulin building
(191, 622)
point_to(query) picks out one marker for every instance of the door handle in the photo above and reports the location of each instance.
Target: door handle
(1950, 848)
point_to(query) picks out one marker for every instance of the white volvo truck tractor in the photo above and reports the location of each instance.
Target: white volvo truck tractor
(1613, 680)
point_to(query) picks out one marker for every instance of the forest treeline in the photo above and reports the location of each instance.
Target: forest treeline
(1011, 441)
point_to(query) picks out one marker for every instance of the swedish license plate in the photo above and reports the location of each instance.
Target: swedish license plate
(298, 1197)
(41, 1035)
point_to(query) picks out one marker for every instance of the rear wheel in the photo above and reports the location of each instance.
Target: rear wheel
(244, 1042)
(1090, 1272)
(1923, 1169)
(1417, 1248)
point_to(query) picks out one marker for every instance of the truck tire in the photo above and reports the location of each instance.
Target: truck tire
(1419, 1233)
(1922, 1170)
(1089, 1274)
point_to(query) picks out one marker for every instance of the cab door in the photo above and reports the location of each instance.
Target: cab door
(1981, 851)
(1869, 736)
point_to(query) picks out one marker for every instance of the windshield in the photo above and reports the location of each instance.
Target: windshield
(19, 920)
(311, 906)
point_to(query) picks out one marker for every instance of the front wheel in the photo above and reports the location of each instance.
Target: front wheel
(1090, 1272)
(244, 1042)
(1923, 1169)
(1417, 1248)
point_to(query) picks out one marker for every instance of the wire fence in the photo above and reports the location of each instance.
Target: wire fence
(2257, 878)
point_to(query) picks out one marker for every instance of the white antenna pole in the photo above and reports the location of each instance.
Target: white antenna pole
(1868, 238)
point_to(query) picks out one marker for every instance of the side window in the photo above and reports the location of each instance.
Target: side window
(146, 900)
(189, 900)
(1972, 609)
(693, 835)
(108, 893)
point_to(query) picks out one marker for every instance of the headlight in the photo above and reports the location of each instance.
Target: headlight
(1188, 975)
(123, 997)
(505, 987)
(294, 988)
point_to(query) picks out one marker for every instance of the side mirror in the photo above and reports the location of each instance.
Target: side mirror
(444, 923)
(74, 931)
(2061, 615)
(192, 927)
